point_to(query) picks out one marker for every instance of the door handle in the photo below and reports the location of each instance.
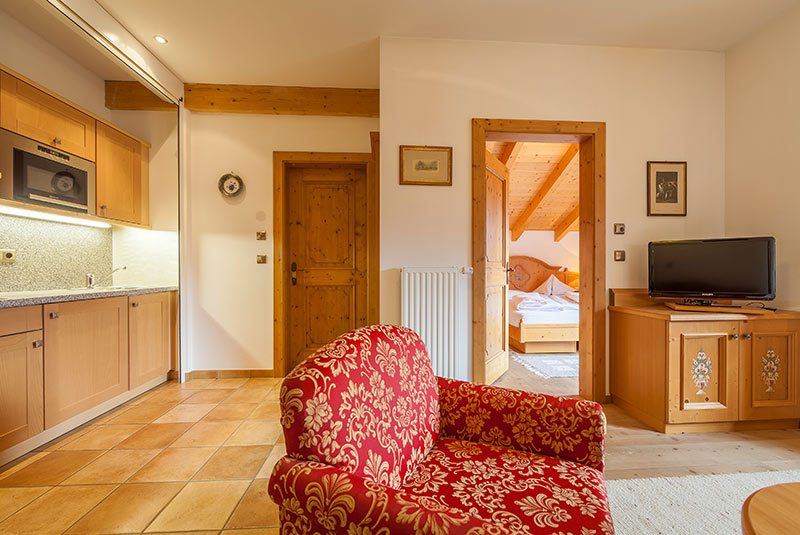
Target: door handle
(37, 344)
(54, 315)
(57, 140)
(294, 273)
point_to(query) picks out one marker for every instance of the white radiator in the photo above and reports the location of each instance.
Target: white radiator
(434, 304)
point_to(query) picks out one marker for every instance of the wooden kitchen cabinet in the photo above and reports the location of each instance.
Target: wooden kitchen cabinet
(86, 355)
(32, 113)
(149, 318)
(21, 391)
(122, 178)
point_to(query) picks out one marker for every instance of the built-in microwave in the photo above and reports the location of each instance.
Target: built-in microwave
(35, 173)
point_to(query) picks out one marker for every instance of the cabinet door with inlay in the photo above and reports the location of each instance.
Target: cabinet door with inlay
(703, 370)
(769, 371)
(21, 397)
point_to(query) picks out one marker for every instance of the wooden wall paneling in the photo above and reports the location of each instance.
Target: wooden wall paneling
(521, 223)
(282, 100)
(530, 272)
(566, 224)
(134, 96)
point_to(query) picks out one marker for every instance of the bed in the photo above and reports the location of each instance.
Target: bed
(547, 330)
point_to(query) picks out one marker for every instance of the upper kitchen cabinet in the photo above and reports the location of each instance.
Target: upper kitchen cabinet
(122, 176)
(32, 113)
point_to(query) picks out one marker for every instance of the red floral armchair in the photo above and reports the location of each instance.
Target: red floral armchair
(377, 445)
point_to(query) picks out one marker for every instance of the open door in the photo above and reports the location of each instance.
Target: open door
(490, 352)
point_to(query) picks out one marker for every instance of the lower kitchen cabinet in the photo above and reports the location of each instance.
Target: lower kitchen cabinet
(21, 394)
(149, 319)
(86, 355)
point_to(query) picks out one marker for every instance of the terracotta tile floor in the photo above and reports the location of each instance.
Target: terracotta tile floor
(179, 458)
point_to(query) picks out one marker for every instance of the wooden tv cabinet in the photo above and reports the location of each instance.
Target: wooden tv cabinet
(702, 371)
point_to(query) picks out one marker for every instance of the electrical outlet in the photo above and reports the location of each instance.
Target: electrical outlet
(619, 256)
(8, 256)
(619, 228)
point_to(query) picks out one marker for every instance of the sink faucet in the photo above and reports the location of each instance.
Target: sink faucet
(90, 277)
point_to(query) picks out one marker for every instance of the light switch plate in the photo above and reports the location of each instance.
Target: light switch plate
(619, 228)
(261, 259)
(8, 256)
(261, 235)
(619, 256)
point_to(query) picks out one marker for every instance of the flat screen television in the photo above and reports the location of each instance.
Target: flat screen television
(731, 268)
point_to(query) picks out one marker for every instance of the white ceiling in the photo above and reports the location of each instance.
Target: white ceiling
(334, 42)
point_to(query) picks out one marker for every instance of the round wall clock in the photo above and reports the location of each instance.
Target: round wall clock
(230, 184)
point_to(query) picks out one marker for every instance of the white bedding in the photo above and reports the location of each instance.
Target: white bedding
(559, 311)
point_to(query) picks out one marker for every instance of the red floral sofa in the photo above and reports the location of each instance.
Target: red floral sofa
(377, 445)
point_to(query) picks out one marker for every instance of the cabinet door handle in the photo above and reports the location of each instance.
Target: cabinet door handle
(53, 315)
(134, 304)
(735, 336)
(103, 206)
(747, 336)
(37, 343)
(57, 140)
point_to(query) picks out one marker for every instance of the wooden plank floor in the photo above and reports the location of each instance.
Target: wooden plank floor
(633, 450)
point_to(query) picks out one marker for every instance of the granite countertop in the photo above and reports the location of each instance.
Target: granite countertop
(43, 297)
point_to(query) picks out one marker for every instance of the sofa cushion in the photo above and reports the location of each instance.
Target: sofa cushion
(367, 403)
(524, 492)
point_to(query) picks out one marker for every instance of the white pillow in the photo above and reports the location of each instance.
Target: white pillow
(553, 286)
(513, 293)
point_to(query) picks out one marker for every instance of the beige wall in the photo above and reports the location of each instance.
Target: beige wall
(230, 296)
(658, 105)
(539, 244)
(762, 143)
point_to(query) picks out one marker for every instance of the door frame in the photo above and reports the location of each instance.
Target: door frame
(280, 161)
(592, 195)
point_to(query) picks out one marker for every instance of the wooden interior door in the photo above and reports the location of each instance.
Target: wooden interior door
(703, 371)
(768, 370)
(492, 271)
(325, 255)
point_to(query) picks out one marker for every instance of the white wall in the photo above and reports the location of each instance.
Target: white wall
(229, 296)
(540, 244)
(762, 142)
(657, 104)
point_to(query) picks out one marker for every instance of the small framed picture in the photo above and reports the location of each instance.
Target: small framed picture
(666, 188)
(427, 166)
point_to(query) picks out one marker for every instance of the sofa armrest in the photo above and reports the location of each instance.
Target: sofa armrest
(571, 429)
(319, 498)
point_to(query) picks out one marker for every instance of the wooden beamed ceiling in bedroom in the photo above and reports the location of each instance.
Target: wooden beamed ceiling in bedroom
(543, 189)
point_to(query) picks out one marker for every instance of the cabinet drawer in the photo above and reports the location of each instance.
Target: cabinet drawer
(33, 113)
(20, 319)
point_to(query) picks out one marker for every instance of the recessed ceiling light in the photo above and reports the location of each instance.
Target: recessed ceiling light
(160, 39)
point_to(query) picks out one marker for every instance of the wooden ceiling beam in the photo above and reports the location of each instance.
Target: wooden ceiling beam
(510, 153)
(562, 228)
(282, 100)
(134, 96)
(522, 221)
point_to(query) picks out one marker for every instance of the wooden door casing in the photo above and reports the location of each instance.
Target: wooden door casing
(149, 330)
(33, 113)
(86, 355)
(21, 389)
(703, 372)
(493, 271)
(768, 369)
(326, 220)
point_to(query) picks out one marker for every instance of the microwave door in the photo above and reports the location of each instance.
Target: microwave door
(45, 181)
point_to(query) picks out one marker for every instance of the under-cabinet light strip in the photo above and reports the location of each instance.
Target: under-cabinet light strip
(20, 212)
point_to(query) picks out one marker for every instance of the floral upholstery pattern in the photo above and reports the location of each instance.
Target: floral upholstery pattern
(362, 419)
(571, 429)
(366, 403)
(524, 492)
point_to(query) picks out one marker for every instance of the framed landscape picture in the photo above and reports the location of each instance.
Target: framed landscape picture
(666, 188)
(428, 166)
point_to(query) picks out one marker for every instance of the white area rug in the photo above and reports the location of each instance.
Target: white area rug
(548, 366)
(696, 505)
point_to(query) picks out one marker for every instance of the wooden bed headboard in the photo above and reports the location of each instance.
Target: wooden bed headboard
(530, 272)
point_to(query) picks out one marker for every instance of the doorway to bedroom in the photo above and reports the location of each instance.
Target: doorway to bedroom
(539, 256)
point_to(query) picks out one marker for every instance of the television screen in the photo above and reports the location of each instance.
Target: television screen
(737, 268)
